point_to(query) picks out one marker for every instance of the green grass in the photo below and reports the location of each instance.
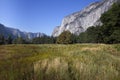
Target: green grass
(60, 62)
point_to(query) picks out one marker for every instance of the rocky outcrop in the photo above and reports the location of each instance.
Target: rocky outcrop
(6, 31)
(79, 21)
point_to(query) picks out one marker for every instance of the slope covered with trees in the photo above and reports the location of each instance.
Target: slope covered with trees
(109, 32)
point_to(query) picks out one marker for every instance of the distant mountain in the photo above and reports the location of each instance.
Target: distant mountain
(79, 21)
(6, 31)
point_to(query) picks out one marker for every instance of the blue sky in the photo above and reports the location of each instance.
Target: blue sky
(38, 15)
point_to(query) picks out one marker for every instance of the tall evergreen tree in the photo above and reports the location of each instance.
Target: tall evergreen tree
(9, 40)
(111, 24)
(2, 39)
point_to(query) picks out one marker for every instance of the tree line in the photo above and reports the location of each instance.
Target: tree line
(108, 33)
(20, 40)
(4, 40)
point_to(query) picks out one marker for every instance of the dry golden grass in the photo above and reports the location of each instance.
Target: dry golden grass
(60, 62)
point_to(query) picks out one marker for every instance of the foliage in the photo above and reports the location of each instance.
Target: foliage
(2, 39)
(19, 40)
(111, 25)
(9, 40)
(65, 38)
(44, 40)
(82, 38)
(107, 33)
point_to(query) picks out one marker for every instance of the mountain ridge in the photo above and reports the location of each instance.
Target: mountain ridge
(6, 31)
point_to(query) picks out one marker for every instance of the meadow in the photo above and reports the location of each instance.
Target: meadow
(60, 62)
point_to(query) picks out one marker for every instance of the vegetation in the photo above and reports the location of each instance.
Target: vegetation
(19, 40)
(107, 33)
(111, 25)
(65, 38)
(2, 40)
(60, 62)
(44, 40)
(9, 40)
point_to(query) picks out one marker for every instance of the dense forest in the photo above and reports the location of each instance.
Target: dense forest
(108, 33)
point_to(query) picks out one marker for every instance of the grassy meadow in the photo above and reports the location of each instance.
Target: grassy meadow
(60, 62)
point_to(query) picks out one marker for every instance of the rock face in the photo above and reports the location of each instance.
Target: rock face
(79, 21)
(6, 31)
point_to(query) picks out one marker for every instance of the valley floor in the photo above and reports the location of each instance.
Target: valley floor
(60, 62)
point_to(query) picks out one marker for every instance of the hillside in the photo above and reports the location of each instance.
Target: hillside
(60, 62)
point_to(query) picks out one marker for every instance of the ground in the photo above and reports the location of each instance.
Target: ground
(60, 62)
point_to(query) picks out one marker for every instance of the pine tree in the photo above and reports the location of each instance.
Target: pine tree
(9, 40)
(2, 39)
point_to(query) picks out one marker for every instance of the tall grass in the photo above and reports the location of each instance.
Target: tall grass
(60, 62)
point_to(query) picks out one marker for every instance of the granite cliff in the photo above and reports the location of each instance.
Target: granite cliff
(79, 21)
